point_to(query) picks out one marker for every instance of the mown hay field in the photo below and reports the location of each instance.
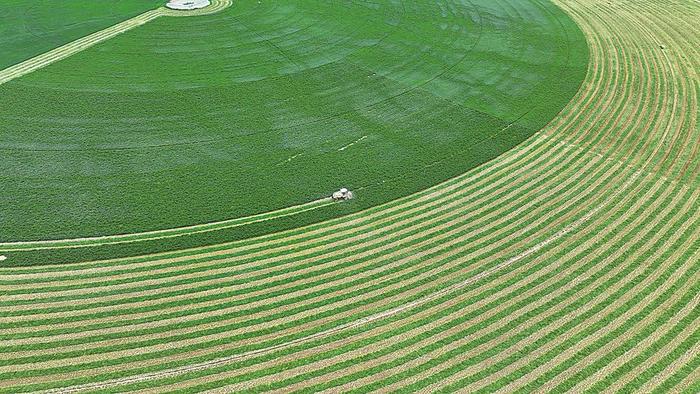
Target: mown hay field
(568, 263)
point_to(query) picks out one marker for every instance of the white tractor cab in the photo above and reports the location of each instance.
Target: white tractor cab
(342, 195)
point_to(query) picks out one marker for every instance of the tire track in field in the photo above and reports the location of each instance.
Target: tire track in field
(499, 188)
(155, 235)
(537, 196)
(321, 234)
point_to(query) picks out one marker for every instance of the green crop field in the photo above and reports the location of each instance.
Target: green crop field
(527, 211)
(268, 105)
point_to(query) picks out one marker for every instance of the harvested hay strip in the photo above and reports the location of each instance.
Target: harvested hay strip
(74, 47)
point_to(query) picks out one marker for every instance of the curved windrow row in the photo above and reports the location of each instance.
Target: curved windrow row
(568, 263)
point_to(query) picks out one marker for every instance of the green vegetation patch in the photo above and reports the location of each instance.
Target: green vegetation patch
(272, 104)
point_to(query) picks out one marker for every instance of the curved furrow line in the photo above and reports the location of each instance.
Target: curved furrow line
(589, 256)
(673, 332)
(683, 62)
(679, 372)
(695, 197)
